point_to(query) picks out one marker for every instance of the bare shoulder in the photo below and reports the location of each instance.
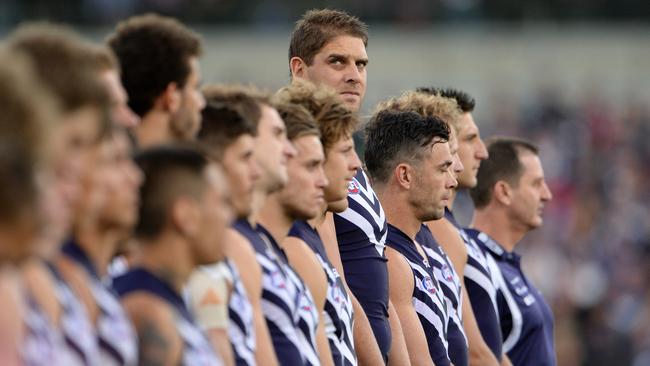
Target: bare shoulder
(158, 340)
(241, 252)
(79, 280)
(450, 240)
(304, 260)
(400, 276)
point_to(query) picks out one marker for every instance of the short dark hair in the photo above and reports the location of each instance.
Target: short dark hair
(170, 172)
(318, 26)
(503, 163)
(466, 102)
(393, 137)
(153, 52)
(64, 63)
(28, 112)
(333, 118)
(222, 125)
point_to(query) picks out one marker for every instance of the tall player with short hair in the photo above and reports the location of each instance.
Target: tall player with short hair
(509, 199)
(329, 47)
(159, 59)
(409, 160)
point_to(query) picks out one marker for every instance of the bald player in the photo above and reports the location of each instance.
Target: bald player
(329, 47)
(509, 198)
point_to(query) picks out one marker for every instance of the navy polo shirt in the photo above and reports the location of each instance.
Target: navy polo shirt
(526, 318)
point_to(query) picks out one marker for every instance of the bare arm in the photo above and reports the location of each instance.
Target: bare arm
(304, 261)
(365, 345)
(398, 354)
(401, 296)
(243, 255)
(449, 238)
(159, 343)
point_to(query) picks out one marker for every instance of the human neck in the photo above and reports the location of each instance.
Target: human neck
(320, 219)
(99, 245)
(259, 199)
(154, 129)
(274, 218)
(397, 211)
(495, 223)
(169, 258)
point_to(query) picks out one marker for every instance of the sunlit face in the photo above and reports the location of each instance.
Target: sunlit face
(72, 152)
(471, 151)
(216, 215)
(340, 167)
(530, 195)
(341, 65)
(272, 150)
(242, 172)
(433, 183)
(303, 197)
(186, 122)
(121, 114)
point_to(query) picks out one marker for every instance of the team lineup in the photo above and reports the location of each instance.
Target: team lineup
(148, 219)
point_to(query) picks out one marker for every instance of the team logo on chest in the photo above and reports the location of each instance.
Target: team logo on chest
(446, 273)
(353, 187)
(427, 282)
(277, 279)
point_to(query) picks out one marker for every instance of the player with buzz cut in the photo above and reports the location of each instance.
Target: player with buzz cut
(409, 160)
(182, 219)
(159, 60)
(509, 197)
(328, 47)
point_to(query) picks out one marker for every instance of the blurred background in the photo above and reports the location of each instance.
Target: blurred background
(572, 75)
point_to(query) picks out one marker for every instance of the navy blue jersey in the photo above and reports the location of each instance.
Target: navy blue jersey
(197, 350)
(481, 289)
(280, 298)
(361, 234)
(428, 298)
(337, 315)
(452, 289)
(307, 313)
(118, 343)
(526, 318)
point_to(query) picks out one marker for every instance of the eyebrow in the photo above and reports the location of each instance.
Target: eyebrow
(446, 164)
(346, 56)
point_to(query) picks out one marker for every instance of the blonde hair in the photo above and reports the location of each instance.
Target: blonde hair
(426, 105)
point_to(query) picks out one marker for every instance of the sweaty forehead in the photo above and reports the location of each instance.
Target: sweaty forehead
(348, 46)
